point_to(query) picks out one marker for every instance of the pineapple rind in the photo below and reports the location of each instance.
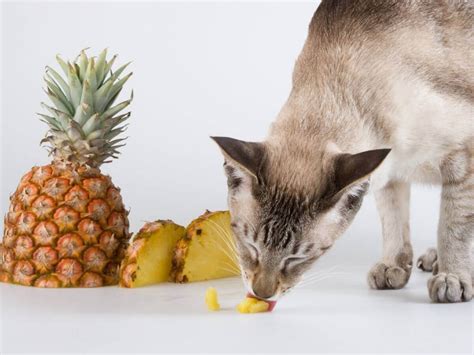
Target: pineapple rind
(149, 256)
(74, 236)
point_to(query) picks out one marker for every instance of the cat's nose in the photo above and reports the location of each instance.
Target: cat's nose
(263, 293)
(264, 285)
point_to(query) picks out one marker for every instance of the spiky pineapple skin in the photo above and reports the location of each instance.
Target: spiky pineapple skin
(66, 227)
(128, 267)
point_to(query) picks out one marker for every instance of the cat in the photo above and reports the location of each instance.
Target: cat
(382, 95)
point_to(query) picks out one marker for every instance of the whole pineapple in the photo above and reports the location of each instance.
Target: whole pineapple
(67, 225)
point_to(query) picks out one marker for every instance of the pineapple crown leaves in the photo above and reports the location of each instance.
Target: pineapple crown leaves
(84, 121)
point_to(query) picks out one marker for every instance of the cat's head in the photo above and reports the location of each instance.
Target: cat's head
(286, 215)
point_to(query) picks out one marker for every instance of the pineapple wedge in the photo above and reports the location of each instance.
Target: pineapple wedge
(207, 251)
(148, 259)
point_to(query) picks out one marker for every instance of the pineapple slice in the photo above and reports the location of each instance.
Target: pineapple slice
(207, 251)
(148, 258)
(212, 301)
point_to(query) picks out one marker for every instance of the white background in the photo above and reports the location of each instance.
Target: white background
(200, 69)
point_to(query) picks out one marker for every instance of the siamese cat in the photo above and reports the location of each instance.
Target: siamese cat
(382, 94)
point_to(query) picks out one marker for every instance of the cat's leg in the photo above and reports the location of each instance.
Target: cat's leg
(453, 283)
(394, 270)
(428, 261)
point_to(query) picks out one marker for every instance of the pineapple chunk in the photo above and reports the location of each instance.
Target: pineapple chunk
(244, 306)
(211, 299)
(253, 305)
(148, 259)
(207, 251)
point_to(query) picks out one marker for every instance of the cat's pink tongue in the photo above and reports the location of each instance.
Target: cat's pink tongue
(271, 304)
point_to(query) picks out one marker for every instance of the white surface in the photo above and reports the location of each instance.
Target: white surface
(336, 315)
(199, 69)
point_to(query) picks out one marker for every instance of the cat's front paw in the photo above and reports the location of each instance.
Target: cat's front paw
(383, 276)
(450, 288)
(428, 261)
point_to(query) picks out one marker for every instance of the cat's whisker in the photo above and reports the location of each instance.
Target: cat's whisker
(322, 271)
(233, 272)
(227, 243)
(309, 279)
(226, 237)
(322, 274)
(326, 273)
(227, 248)
(229, 267)
(227, 234)
(318, 279)
(229, 254)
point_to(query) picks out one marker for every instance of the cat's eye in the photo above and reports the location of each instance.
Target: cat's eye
(292, 261)
(254, 253)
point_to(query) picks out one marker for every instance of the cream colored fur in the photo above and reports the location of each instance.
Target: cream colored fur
(365, 92)
(372, 75)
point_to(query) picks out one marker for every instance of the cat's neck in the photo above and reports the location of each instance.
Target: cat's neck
(322, 122)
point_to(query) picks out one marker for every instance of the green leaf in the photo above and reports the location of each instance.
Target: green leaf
(81, 114)
(59, 94)
(108, 66)
(117, 88)
(75, 86)
(115, 132)
(58, 78)
(83, 64)
(113, 122)
(115, 141)
(116, 109)
(112, 100)
(94, 135)
(52, 110)
(91, 124)
(51, 121)
(63, 65)
(90, 75)
(100, 67)
(101, 97)
(87, 97)
(57, 102)
(64, 120)
(117, 73)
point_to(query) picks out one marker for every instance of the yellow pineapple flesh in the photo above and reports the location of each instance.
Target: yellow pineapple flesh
(252, 305)
(207, 251)
(148, 258)
(211, 299)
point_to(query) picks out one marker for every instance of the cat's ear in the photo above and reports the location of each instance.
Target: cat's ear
(350, 168)
(247, 155)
